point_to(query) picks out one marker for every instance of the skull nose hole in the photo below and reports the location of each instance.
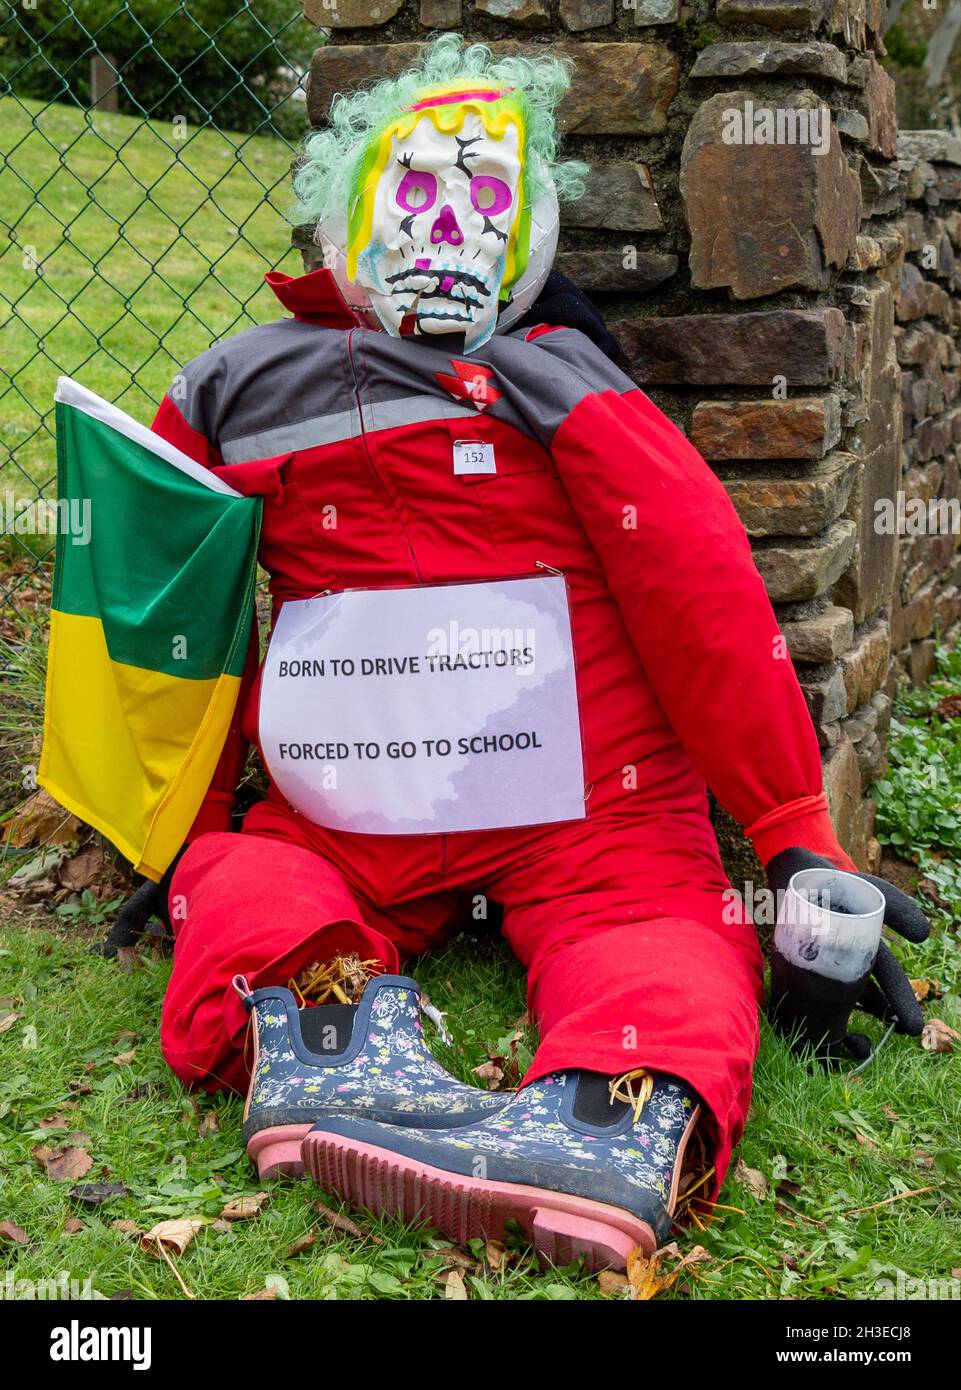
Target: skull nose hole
(445, 228)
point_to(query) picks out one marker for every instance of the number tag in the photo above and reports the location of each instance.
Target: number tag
(471, 456)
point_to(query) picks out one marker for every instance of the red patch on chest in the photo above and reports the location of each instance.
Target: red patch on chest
(473, 382)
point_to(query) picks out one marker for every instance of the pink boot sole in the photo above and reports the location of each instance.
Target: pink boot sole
(277, 1152)
(562, 1228)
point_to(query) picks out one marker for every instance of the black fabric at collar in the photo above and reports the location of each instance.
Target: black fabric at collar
(562, 305)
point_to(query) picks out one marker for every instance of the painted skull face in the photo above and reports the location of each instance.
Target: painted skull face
(439, 229)
(442, 220)
(438, 235)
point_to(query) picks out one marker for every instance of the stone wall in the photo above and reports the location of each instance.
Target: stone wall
(770, 295)
(927, 596)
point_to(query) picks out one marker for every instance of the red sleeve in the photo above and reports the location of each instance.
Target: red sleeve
(679, 564)
(217, 805)
(171, 425)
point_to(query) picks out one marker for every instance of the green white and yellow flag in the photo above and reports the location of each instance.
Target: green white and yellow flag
(153, 600)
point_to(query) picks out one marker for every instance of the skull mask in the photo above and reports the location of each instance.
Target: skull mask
(440, 237)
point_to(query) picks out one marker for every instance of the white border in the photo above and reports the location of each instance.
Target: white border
(70, 392)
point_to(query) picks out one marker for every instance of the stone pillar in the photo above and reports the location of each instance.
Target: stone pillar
(742, 234)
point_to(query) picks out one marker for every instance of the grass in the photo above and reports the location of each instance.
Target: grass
(121, 302)
(919, 800)
(837, 1148)
(131, 251)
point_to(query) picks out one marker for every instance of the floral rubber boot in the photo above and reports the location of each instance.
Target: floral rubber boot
(585, 1166)
(367, 1059)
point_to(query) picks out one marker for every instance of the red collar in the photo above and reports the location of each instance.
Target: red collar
(313, 298)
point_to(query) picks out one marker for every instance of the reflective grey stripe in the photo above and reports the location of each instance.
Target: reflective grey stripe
(413, 410)
(331, 429)
(287, 439)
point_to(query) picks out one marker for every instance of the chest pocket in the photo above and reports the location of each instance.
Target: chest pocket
(528, 511)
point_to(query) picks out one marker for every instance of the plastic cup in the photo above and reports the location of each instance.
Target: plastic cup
(825, 943)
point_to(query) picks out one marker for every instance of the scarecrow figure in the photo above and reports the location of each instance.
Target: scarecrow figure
(437, 431)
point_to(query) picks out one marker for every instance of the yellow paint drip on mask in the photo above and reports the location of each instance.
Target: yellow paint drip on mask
(495, 116)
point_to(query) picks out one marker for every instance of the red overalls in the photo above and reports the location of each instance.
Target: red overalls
(634, 957)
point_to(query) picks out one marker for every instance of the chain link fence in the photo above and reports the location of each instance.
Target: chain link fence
(146, 149)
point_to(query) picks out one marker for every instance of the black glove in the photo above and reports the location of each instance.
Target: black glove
(816, 1009)
(148, 901)
(562, 305)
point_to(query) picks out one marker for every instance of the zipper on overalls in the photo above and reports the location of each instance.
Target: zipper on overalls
(370, 461)
(400, 517)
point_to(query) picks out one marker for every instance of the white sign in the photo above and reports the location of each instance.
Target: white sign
(425, 710)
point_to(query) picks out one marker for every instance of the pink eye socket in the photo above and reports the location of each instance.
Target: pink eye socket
(489, 195)
(417, 191)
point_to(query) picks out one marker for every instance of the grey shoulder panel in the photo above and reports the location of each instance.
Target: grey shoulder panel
(266, 378)
(288, 386)
(545, 379)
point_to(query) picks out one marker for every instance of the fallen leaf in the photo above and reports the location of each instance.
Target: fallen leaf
(92, 1194)
(454, 1288)
(219, 1225)
(949, 707)
(497, 1255)
(175, 1235)
(73, 1226)
(243, 1208)
(301, 1244)
(129, 1228)
(8, 1019)
(344, 1223)
(938, 1036)
(60, 1165)
(209, 1125)
(77, 1138)
(80, 1088)
(123, 1059)
(922, 1159)
(891, 1113)
(695, 1256)
(490, 1073)
(126, 1035)
(87, 869)
(753, 1179)
(41, 821)
(789, 1187)
(39, 868)
(55, 1122)
(645, 1275)
(15, 1234)
(866, 1142)
(612, 1284)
